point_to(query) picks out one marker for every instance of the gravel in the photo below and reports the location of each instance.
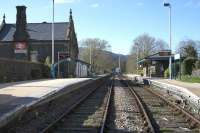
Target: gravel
(124, 115)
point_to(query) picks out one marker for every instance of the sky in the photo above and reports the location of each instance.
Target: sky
(117, 21)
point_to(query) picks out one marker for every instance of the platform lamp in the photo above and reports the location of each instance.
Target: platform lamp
(170, 39)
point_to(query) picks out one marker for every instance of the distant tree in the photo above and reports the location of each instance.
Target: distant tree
(147, 45)
(143, 45)
(131, 64)
(99, 54)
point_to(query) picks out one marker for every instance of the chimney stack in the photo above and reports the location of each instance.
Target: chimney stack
(21, 33)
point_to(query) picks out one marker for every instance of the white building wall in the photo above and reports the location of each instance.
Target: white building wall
(81, 70)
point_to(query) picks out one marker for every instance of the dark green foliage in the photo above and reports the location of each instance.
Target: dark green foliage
(45, 71)
(35, 73)
(188, 65)
(190, 51)
(175, 69)
(188, 48)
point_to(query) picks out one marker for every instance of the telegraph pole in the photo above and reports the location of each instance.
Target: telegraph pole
(53, 36)
(120, 63)
(90, 57)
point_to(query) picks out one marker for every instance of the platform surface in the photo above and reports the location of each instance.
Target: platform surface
(14, 96)
(190, 90)
(193, 87)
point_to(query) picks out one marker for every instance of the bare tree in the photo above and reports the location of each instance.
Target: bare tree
(147, 45)
(144, 45)
(96, 52)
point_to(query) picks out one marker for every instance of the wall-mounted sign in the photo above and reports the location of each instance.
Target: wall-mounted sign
(34, 56)
(177, 56)
(164, 53)
(153, 62)
(63, 55)
(20, 48)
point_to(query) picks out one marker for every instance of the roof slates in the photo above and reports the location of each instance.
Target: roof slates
(37, 31)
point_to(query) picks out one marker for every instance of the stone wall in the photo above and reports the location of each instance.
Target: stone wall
(14, 70)
(196, 73)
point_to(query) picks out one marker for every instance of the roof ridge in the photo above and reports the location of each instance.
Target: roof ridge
(39, 23)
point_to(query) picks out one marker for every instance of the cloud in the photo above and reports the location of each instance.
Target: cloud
(192, 4)
(139, 3)
(95, 5)
(64, 1)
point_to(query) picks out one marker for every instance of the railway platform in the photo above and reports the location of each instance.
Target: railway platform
(188, 91)
(20, 96)
(193, 87)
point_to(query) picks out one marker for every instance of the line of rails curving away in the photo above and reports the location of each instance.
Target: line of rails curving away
(86, 115)
(74, 119)
(167, 115)
(124, 94)
(117, 104)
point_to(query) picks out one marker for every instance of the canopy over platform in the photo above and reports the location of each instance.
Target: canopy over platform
(163, 55)
(156, 64)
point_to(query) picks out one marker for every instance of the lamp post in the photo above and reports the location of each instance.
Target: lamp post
(53, 36)
(170, 39)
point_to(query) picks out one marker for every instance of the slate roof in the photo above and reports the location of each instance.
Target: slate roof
(37, 31)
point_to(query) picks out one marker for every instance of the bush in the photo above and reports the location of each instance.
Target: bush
(175, 69)
(166, 73)
(45, 71)
(188, 65)
(36, 73)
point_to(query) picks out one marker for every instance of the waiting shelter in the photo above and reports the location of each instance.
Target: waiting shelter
(155, 65)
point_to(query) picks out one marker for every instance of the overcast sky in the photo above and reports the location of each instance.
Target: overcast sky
(118, 21)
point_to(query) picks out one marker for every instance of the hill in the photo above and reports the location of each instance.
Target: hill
(106, 59)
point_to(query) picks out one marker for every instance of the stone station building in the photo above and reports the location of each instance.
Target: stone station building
(33, 41)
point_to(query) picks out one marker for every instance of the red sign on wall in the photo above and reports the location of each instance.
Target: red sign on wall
(21, 47)
(63, 55)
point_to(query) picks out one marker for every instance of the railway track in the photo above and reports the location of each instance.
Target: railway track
(117, 105)
(126, 112)
(108, 109)
(87, 116)
(168, 116)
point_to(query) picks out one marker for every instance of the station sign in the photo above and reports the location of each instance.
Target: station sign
(20, 48)
(177, 56)
(63, 55)
(164, 53)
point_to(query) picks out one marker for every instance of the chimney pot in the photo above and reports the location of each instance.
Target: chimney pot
(21, 33)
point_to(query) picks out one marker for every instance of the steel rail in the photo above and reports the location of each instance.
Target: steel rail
(107, 108)
(51, 125)
(151, 127)
(177, 108)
